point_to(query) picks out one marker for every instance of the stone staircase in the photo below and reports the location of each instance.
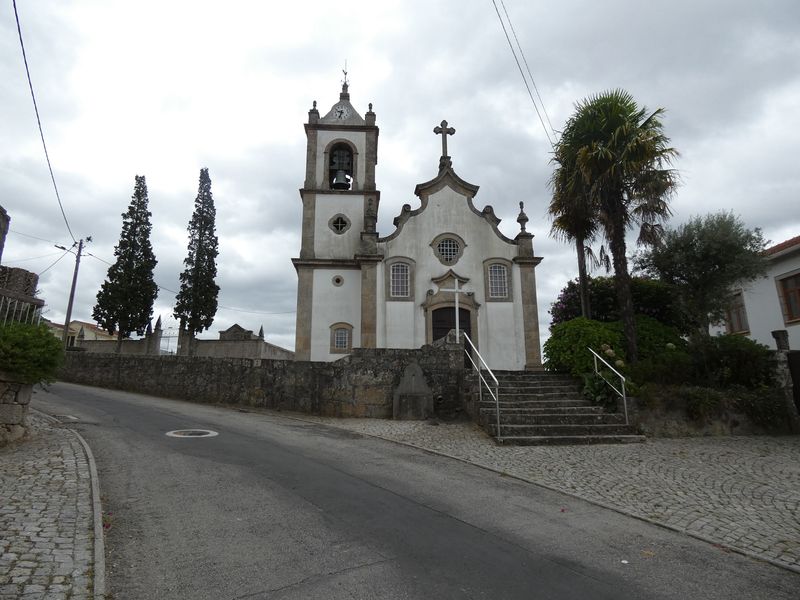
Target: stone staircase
(538, 408)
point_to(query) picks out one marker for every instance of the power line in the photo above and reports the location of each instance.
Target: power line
(521, 72)
(19, 260)
(525, 60)
(39, 122)
(32, 236)
(53, 264)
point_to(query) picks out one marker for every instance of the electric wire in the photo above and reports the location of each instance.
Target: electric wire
(53, 264)
(527, 67)
(20, 260)
(39, 122)
(521, 72)
(28, 235)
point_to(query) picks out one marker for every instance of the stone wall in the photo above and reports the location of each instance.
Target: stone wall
(361, 384)
(14, 400)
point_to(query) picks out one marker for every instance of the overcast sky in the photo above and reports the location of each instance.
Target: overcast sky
(163, 88)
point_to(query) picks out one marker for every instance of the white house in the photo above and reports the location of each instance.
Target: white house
(359, 289)
(771, 303)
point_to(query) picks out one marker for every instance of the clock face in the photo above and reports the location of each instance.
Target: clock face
(341, 111)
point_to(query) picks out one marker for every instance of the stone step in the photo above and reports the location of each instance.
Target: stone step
(490, 416)
(518, 394)
(569, 440)
(547, 410)
(534, 403)
(512, 430)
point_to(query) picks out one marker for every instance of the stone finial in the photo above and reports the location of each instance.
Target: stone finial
(158, 323)
(261, 333)
(522, 218)
(149, 331)
(370, 107)
(314, 105)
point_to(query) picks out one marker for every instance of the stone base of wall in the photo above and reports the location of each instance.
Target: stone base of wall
(14, 400)
(361, 384)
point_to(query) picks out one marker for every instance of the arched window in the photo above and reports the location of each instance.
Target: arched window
(399, 278)
(340, 168)
(497, 276)
(341, 338)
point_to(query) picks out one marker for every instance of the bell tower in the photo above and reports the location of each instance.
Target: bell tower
(336, 268)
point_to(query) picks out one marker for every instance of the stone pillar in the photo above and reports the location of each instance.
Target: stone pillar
(527, 263)
(369, 302)
(784, 377)
(305, 291)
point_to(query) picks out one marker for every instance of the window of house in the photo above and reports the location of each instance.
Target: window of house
(341, 338)
(497, 280)
(736, 316)
(399, 283)
(790, 296)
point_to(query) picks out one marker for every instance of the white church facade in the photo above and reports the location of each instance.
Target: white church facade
(359, 289)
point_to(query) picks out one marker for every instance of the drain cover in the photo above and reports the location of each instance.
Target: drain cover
(192, 433)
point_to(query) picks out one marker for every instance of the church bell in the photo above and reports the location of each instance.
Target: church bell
(340, 182)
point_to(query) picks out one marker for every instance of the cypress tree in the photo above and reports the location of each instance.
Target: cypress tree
(196, 302)
(125, 300)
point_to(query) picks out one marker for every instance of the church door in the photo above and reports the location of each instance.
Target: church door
(444, 319)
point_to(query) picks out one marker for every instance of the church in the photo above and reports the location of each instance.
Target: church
(445, 266)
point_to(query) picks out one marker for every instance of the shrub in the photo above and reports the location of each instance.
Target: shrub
(764, 406)
(730, 360)
(30, 353)
(566, 350)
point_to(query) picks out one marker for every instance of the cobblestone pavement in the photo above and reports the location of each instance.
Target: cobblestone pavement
(45, 517)
(739, 492)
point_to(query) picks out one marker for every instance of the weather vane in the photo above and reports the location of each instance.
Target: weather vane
(345, 72)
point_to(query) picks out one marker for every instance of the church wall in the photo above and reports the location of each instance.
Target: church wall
(335, 304)
(358, 138)
(328, 244)
(498, 325)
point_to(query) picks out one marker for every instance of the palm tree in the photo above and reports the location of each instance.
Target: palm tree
(613, 160)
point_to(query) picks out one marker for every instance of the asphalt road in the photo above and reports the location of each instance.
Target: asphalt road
(278, 508)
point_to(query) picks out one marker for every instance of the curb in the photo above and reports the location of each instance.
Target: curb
(600, 503)
(99, 583)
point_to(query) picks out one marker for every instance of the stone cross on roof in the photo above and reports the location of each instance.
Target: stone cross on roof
(444, 130)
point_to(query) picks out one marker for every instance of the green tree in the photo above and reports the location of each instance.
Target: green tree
(196, 303)
(125, 300)
(704, 259)
(651, 297)
(614, 157)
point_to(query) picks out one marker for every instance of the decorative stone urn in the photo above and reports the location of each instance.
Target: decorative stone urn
(15, 397)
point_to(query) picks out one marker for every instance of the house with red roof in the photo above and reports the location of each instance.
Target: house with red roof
(773, 302)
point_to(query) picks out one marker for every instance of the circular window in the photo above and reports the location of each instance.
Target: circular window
(339, 224)
(448, 250)
(337, 280)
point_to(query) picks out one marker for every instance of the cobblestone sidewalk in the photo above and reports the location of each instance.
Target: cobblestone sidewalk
(740, 492)
(45, 517)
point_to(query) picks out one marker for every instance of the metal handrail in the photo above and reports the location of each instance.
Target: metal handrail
(494, 394)
(618, 374)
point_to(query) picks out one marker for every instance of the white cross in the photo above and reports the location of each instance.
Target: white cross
(456, 291)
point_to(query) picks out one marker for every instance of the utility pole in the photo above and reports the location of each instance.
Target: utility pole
(65, 338)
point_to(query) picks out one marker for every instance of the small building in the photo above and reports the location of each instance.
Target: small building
(91, 331)
(773, 302)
